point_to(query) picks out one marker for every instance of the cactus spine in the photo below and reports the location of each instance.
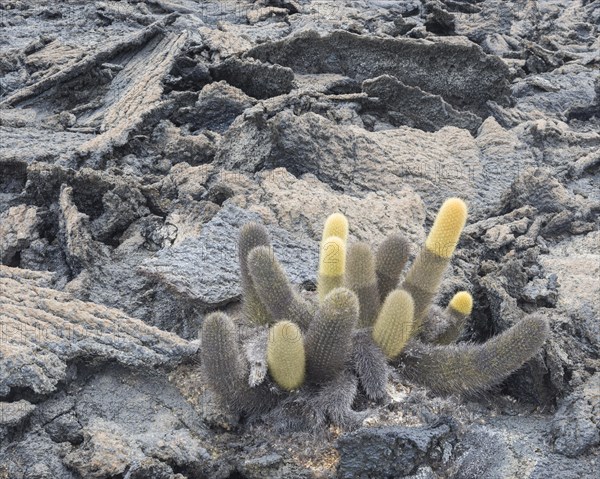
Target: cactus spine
(285, 355)
(425, 275)
(362, 280)
(394, 324)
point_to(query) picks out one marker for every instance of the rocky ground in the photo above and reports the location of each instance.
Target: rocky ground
(137, 136)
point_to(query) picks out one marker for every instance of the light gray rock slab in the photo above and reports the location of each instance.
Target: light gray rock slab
(205, 269)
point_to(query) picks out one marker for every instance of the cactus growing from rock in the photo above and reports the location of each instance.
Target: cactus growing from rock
(364, 319)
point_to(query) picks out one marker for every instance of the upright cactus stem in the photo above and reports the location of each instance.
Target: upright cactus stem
(458, 311)
(274, 289)
(332, 265)
(251, 236)
(332, 260)
(425, 275)
(221, 358)
(329, 339)
(285, 355)
(390, 259)
(362, 280)
(370, 364)
(394, 324)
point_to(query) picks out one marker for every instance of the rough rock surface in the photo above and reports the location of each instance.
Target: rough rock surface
(400, 450)
(206, 269)
(479, 78)
(43, 330)
(137, 136)
(18, 229)
(447, 162)
(575, 426)
(411, 106)
(280, 199)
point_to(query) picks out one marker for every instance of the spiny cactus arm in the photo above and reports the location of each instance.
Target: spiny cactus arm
(458, 311)
(332, 265)
(274, 289)
(336, 225)
(252, 235)
(285, 355)
(329, 338)
(225, 369)
(425, 275)
(390, 259)
(467, 368)
(220, 355)
(221, 359)
(362, 280)
(370, 364)
(394, 324)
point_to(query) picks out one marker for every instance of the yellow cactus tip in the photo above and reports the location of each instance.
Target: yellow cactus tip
(447, 227)
(462, 302)
(333, 257)
(336, 225)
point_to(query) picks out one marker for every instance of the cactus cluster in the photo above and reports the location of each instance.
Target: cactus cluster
(365, 319)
